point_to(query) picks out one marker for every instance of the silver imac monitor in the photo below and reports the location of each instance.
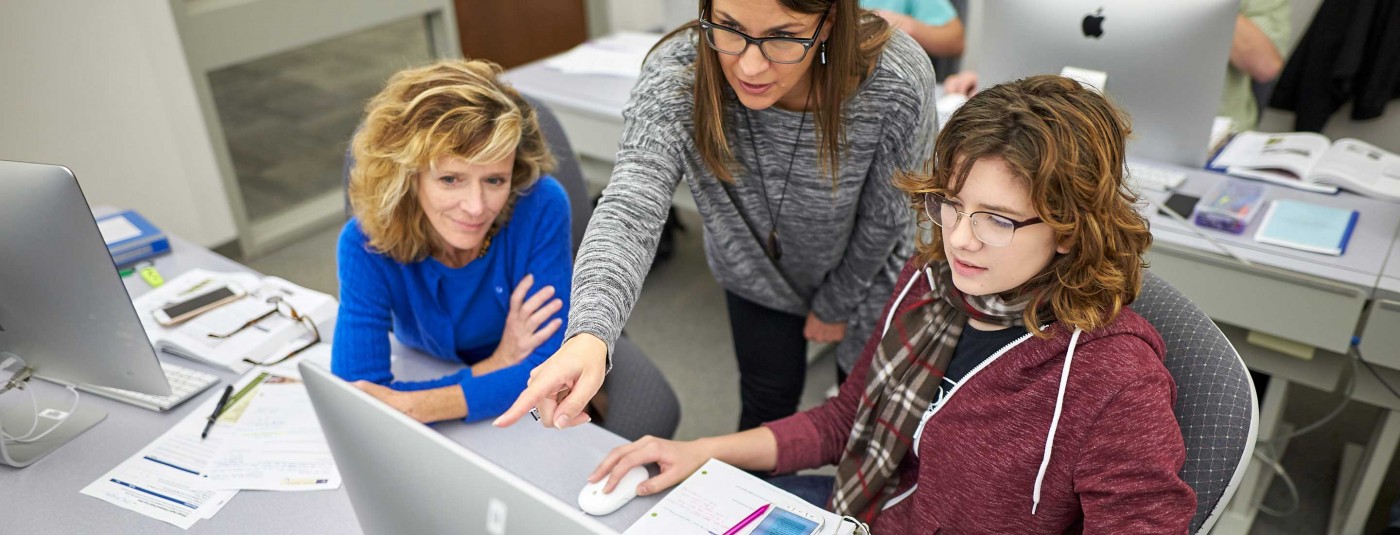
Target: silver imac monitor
(405, 477)
(64, 313)
(1165, 61)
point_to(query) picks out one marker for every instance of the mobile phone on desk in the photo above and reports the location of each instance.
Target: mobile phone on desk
(181, 311)
(778, 520)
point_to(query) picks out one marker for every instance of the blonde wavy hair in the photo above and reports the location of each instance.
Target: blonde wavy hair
(1067, 143)
(453, 108)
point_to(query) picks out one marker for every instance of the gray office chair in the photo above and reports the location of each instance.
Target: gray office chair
(1215, 403)
(640, 400)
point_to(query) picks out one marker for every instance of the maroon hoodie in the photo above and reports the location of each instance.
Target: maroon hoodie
(982, 464)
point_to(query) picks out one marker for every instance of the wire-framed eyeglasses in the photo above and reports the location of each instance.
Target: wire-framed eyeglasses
(786, 50)
(989, 228)
(284, 308)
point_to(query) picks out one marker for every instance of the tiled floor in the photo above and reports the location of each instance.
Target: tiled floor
(288, 117)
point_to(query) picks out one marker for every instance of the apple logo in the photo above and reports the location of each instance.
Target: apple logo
(1093, 24)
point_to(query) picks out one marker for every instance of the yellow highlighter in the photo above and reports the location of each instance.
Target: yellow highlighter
(149, 274)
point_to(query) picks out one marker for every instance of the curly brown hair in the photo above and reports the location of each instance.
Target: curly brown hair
(450, 108)
(1067, 142)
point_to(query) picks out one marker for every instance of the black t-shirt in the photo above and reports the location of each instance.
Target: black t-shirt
(975, 347)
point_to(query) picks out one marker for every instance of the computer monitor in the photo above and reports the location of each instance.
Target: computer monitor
(1165, 61)
(64, 313)
(403, 476)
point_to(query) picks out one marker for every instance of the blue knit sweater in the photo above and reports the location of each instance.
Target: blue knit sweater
(453, 314)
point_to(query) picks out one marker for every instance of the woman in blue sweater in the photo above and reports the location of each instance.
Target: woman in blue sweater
(454, 227)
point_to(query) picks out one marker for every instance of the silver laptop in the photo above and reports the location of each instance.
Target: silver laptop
(405, 477)
(1166, 61)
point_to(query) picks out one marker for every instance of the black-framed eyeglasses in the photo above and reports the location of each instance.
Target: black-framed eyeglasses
(989, 228)
(283, 307)
(786, 50)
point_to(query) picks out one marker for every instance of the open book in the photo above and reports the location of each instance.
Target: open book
(269, 339)
(1309, 161)
(718, 496)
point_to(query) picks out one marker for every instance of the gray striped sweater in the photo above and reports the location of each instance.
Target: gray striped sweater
(842, 248)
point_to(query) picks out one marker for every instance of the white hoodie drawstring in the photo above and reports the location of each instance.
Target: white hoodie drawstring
(1054, 420)
(895, 308)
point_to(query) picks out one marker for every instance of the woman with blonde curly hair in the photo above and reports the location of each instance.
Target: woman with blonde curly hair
(455, 222)
(1010, 389)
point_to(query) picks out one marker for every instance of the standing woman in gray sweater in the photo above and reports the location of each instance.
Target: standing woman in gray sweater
(787, 120)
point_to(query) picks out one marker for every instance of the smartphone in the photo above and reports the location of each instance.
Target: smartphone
(179, 312)
(1184, 205)
(779, 521)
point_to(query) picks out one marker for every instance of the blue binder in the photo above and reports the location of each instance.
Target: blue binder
(131, 238)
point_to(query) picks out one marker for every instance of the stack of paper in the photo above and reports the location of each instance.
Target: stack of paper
(619, 54)
(276, 444)
(267, 438)
(163, 480)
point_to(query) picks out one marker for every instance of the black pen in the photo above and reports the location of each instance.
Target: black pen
(219, 408)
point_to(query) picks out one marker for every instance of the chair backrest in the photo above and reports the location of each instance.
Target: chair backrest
(1215, 403)
(566, 171)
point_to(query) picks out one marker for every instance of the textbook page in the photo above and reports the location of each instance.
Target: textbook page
(1284, 159)
(1360, 167)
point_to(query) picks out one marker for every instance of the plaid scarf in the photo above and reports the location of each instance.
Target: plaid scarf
(901, 383)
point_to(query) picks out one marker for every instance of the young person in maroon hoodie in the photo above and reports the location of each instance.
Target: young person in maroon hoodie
(1010, 390)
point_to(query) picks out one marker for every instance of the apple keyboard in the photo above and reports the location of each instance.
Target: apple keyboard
(1144, 177)
(184, 384)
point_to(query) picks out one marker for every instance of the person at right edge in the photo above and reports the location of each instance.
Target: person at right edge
(788, 120)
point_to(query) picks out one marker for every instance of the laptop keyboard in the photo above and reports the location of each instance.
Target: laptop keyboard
(184, 384)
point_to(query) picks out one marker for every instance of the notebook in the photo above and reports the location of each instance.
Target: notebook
(267, 339)
(717, 496)
(1307, 227)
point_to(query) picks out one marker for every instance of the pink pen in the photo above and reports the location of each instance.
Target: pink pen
(747, 520)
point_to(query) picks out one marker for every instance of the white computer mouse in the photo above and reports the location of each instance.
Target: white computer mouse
(594, 502)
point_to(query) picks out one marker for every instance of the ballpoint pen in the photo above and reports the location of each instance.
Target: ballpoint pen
(748, 519)
(218, 408)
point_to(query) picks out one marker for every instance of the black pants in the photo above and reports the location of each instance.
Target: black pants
(772, 355)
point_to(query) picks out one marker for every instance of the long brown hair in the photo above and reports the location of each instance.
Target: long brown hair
(852, 49)
(1067, 143)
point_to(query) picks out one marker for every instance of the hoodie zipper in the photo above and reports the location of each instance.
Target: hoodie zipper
(949, 397)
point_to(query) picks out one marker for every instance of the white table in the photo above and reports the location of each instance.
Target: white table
(44, 498)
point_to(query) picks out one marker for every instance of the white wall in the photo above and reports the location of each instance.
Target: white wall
(103, 88)
(649, 15)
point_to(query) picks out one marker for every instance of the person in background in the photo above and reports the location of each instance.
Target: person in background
(788, 120)
(934, 24)
(1256, 55)
(1011, 390)
(459, 245)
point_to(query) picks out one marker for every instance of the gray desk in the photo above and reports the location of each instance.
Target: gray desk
(1311, 302)
(44, 498)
